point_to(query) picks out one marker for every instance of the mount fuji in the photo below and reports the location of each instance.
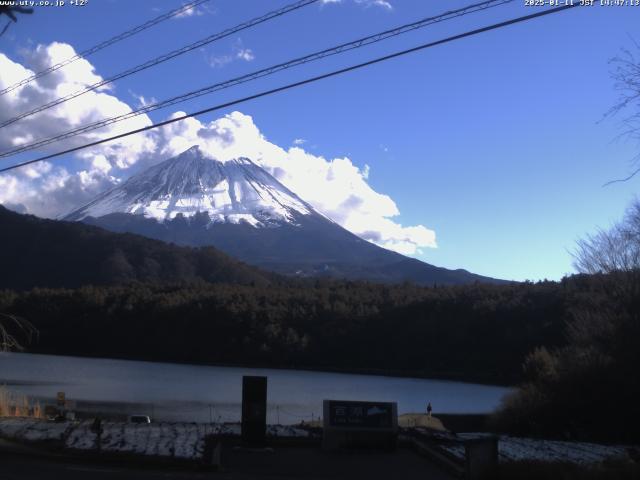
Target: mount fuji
(190, 184)
(244, 211)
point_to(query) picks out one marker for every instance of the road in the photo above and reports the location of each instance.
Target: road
(24, 467)
(283, 464)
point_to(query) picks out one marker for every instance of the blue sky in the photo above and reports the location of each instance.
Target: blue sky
(495, 142)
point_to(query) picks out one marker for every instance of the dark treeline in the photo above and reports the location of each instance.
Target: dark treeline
(587, 388)
(476, 332)
(572, 346)
(35, 252)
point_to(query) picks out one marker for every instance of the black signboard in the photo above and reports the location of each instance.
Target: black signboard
(360, 414)
(254, 410)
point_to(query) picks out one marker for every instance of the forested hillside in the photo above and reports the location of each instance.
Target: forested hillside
(571, 345)
(44, 253)
(476, 332)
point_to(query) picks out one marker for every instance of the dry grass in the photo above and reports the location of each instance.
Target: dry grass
(17, 405)
(420, 420)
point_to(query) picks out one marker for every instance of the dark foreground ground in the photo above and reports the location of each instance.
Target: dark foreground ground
(465, 422)
(281, 464)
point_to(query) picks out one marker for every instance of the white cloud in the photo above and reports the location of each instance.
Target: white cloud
(189, 12)
(299, 141)
(238, 52)
(53, 190)
(195, 11)
(376, 3)
(84, 109)
(218, 61)
(41, 188)
(142, 101)
(366, 3)
(245, 54)
(336, 187)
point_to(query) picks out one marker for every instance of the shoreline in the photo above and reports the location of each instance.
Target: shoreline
(417, 374)
(119, 411)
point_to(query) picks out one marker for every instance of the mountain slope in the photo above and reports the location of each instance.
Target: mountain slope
(231, 192)
(45, 253)
(241, 209)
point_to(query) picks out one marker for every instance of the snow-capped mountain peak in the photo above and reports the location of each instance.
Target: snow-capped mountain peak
(232, 192)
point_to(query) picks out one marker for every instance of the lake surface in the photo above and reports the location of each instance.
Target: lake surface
(174, 392)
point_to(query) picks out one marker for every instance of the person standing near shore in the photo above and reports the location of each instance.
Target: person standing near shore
(429, 409)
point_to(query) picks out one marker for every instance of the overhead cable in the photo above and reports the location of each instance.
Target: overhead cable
(89, 51)
(163, 58)
(361, 42)
(314, 79)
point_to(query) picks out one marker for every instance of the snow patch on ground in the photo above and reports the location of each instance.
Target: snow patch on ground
(32, 430)
(286, 431)
(172, 440)
(513, 449)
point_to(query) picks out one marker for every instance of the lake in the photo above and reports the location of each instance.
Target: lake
(175, 392)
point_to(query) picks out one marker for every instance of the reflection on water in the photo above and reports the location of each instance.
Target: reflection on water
(174, 392)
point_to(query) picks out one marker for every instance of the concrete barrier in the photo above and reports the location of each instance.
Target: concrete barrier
(481, 457)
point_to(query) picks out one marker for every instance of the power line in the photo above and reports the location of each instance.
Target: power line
(6, 27)
(289, 86)
(361, 42)
(163, 58)
(105, 44)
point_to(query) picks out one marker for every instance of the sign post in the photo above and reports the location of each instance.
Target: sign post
(61, 400)
(254, 410)
(349, 424)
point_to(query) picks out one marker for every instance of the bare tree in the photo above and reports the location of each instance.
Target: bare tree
(12, 327)
(615, 249)
(626, 76)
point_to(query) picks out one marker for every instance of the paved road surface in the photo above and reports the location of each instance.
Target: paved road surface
(283, 464)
